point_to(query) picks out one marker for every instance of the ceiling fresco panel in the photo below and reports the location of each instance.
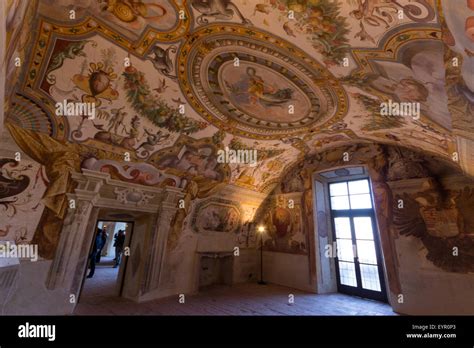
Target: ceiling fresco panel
(265, 87)
(288, 78)
(129, 18)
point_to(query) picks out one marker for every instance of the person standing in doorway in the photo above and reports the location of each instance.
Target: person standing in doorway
(95, 249)
(104, 235)
(119, 244)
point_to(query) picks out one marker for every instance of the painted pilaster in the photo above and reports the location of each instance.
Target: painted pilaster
(72, 237)
(160, 236)
(74, 231)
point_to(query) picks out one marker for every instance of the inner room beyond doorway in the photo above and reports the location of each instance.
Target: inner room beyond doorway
(106, 259)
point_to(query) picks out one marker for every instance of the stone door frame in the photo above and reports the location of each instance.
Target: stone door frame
(97, 190)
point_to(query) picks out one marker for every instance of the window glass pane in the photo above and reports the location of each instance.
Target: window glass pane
(345, 250)
(359, 186)
(347, 273)
(338, 189)
(343, 227)
(340, 203)
(361, 201)
(366, 252)
(363, 227)
(370, 277)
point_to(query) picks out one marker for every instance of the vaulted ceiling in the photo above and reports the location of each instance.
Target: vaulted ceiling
(174, 81)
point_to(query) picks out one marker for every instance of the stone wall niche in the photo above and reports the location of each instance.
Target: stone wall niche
(215, 268)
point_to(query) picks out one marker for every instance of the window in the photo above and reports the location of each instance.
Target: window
(358, 258)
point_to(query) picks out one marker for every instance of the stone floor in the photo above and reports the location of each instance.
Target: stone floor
(102, 284)
(98, 298)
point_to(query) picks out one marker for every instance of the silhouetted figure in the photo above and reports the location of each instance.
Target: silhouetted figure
(95, 249)
(119, 244)
(104, 236)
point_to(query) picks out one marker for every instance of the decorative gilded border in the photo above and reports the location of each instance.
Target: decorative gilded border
(388, 49)
(49, 31)
(196, 40)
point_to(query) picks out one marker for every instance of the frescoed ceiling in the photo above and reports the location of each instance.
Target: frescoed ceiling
(174, 81)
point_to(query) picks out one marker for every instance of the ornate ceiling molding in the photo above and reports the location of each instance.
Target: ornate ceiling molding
(274, 75)
(390, 50)
(389, 47)
(48, 34)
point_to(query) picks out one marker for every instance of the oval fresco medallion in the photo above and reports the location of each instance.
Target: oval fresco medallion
(260, 93)
(257, 85)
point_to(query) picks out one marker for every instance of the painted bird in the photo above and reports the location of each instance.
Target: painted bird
(161, 87)
(178, 101)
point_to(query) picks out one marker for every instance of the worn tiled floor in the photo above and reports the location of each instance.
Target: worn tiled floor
(241, 299)
(103, 282)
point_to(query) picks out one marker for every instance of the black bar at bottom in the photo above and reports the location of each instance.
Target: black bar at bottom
(140, 330)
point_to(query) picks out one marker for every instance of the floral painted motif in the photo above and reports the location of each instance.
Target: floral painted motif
(153, 107)
(320, 19)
